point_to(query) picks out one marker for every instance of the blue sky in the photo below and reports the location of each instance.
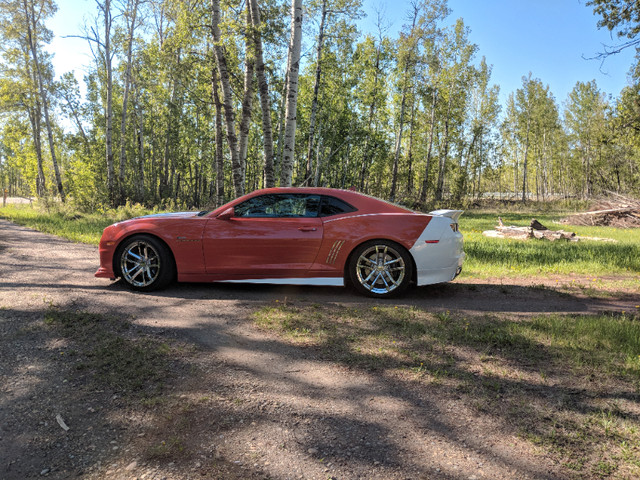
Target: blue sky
(548, 38)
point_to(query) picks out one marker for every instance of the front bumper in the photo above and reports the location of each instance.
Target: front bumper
(105, 273)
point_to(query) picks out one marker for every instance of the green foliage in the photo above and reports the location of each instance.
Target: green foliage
(620, 15)
(414, 116)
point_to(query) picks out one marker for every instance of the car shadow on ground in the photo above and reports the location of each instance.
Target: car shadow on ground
(465, 296)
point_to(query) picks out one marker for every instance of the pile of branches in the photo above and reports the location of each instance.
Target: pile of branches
(616, 211)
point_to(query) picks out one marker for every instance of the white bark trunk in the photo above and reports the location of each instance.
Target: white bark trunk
(227, 95)
(31, 27)
(265, 101)
(295, 46)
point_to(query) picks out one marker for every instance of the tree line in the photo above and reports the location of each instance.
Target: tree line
(191, 103)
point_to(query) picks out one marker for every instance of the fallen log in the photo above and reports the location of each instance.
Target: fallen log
(538, 231)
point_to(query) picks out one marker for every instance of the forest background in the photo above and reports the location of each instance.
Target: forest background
(191, 103)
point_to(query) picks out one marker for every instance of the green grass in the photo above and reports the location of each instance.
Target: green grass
(568, 384)
(66, 223)
(491, 257)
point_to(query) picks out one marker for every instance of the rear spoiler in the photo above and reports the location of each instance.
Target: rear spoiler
(452, 214)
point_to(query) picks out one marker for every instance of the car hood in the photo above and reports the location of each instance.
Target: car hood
(159, 216)
(171, 215)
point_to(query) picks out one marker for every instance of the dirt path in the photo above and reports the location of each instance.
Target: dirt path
(258, 408)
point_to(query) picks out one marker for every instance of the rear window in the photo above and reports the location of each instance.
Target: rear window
(332, 206)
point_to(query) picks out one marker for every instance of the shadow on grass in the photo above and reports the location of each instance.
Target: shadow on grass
(568, 384)
(77, 391)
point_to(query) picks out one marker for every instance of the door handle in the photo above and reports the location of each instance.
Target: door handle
(307, 229)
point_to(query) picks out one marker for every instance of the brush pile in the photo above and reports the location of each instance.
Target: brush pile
(616, 211)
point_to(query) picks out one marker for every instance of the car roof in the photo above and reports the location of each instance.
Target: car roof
(364, 203)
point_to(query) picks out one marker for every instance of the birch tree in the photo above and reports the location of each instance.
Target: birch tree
(263, 88)
(293, 66)
(227, 99)
(585, 118)
(130, 15)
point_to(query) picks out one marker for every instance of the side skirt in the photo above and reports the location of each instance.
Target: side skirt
(326, 281)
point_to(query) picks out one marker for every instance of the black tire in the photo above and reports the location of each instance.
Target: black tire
(380, 269)
(144, 263)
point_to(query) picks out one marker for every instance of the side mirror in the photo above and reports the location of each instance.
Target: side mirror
(227, 214)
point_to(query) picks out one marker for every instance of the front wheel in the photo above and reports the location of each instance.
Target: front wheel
(380, 268)
(145, 263)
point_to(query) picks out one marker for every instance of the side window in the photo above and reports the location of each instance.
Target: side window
(261, 206)
(286, 205)
(333, 206)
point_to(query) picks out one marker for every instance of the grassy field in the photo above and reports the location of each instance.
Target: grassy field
(492, 257)
(70, 224)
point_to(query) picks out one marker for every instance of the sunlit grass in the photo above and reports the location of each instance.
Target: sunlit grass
(492, 257)
(67, 223)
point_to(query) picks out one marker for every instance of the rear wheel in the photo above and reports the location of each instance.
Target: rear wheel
(380, 268)
(145, 263)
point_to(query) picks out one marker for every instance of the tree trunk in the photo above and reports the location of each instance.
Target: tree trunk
(396, 156)
(125, 100)
(525, 162)
(141, 154)
(461, 184)
(166, 179)
(295, 46)
(403, 105)
(425, 181)
(265, 101)
(410, 152)
(227, 94)
(109, 103)
(316, 88)
(31, 31)
(219, 155)
(367, 143)
(445, 152)
(245, 120)
(41, 184)
(34, 119)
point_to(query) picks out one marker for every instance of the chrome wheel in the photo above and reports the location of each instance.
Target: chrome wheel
(140, 264)
(380, 269)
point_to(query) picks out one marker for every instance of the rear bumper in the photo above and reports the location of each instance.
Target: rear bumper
(428, 276)
(438, 253)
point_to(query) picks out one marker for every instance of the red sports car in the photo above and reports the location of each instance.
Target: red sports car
(302, 236)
